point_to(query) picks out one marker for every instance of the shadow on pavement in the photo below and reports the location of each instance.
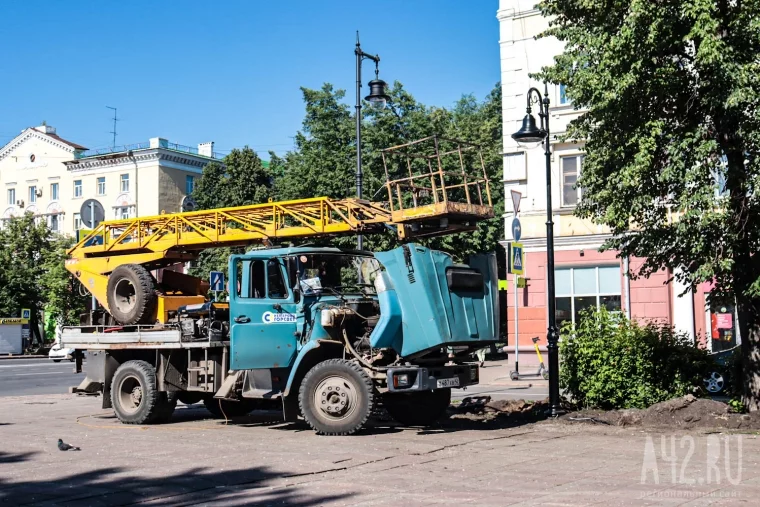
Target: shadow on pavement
(115, 486)
(6, 458)
(479, 417)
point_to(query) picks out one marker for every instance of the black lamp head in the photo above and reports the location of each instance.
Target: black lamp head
(377, 96)
(529, 132)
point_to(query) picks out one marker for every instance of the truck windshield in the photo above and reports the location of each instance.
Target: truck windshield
(344, 274)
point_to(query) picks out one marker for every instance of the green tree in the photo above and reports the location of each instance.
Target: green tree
(240, 179)
(323, 162)
(671, 91)
(23, 244)
(64, 302)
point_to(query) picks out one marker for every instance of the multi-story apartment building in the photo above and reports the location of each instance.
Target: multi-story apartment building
(584, 276)
(44, 174)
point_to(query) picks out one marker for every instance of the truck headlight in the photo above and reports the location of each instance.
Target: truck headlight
(401, 380)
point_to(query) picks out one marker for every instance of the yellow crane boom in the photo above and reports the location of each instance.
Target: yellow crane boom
(424, 203)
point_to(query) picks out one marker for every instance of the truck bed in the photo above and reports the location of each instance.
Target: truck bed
(96, 338)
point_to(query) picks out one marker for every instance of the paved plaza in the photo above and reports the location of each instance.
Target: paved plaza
(259, 460)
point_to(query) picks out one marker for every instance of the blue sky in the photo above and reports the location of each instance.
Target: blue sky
(230, 71)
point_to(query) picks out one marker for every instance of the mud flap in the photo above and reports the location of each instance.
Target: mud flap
(229, 384)
(290, 408)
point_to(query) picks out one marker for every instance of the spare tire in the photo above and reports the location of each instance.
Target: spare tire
(131, 294)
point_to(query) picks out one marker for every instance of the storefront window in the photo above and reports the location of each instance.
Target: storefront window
(581, 288)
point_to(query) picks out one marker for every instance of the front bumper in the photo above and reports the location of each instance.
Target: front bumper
(409, 379)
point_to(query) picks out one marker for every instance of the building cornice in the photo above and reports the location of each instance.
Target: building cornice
(564, 242)
(142, 156)
(30, 133)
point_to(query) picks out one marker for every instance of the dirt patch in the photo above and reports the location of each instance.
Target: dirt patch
(495, 413)
(679, 413)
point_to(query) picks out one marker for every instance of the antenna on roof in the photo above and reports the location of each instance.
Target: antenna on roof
(115, 119)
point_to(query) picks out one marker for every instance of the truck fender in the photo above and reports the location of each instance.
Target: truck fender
(309, 356)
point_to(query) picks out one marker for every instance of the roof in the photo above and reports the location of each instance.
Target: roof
(59, 138)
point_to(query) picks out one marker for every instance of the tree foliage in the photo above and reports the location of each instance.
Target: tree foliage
(323, 162)
(64, 302)
(671, 91)
(33, 273)
(239, 180)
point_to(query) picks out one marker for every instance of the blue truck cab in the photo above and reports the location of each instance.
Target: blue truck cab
(333, 332)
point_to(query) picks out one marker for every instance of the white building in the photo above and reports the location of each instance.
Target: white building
(44, 174)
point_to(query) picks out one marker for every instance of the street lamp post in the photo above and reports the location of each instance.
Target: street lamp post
(378, 98)
(531, 133)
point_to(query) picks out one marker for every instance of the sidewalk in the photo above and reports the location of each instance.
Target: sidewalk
(497, 373)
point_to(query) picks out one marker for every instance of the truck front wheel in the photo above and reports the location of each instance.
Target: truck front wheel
(336, 397)
(419, 408)
(135, 397)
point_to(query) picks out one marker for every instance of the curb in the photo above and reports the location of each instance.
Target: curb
(23, 357)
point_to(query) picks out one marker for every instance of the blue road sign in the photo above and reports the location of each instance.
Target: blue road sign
(217, 281)
(516, 260)
(516, 229)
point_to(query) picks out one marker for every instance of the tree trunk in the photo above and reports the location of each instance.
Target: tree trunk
(749, 328)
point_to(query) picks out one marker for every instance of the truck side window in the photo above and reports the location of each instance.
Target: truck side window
(258, 280)
(277, 288)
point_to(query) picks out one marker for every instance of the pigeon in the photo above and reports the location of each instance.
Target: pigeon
(63, 446)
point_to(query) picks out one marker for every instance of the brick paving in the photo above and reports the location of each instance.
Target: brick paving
(261, 461)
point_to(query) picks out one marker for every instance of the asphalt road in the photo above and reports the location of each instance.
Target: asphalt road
(20, 377)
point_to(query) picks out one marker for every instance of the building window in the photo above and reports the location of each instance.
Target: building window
(102, 185)
(77, 221)
(563, 99)
(189, 184)
(125, 182)
(122, 213)
(77, 188)
(54, 191)
(588, 287)
(571, 169)
(54, 223)
(11, 196)
(32, 194)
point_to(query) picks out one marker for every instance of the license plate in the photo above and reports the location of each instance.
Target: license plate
(448, 382)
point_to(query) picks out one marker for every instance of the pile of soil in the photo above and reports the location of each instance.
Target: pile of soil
(678, 413)
(503, 412)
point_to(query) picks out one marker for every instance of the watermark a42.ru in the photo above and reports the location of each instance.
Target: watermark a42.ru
(705, 460)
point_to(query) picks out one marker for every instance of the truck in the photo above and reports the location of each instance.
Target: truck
(324, 333)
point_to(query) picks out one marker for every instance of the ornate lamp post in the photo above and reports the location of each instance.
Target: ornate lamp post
(378, 98)
(531, 133)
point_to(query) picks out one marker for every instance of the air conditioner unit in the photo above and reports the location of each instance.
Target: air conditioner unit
(39, 192)
(20, 203)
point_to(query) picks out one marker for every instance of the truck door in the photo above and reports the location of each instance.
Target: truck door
(262, 314)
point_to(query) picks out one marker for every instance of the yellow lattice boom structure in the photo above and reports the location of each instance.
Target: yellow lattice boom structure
(164, 240)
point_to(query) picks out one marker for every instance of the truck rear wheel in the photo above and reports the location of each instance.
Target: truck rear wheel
(131, 294)
(135, 397)
(419, 408)
(336, 397)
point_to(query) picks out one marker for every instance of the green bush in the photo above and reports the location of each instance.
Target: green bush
(611, 362)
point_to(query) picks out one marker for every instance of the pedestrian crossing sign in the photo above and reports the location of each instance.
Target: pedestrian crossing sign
(516, 260)
(26, 313)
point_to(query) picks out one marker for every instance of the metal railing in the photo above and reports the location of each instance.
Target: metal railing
(143, 146)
